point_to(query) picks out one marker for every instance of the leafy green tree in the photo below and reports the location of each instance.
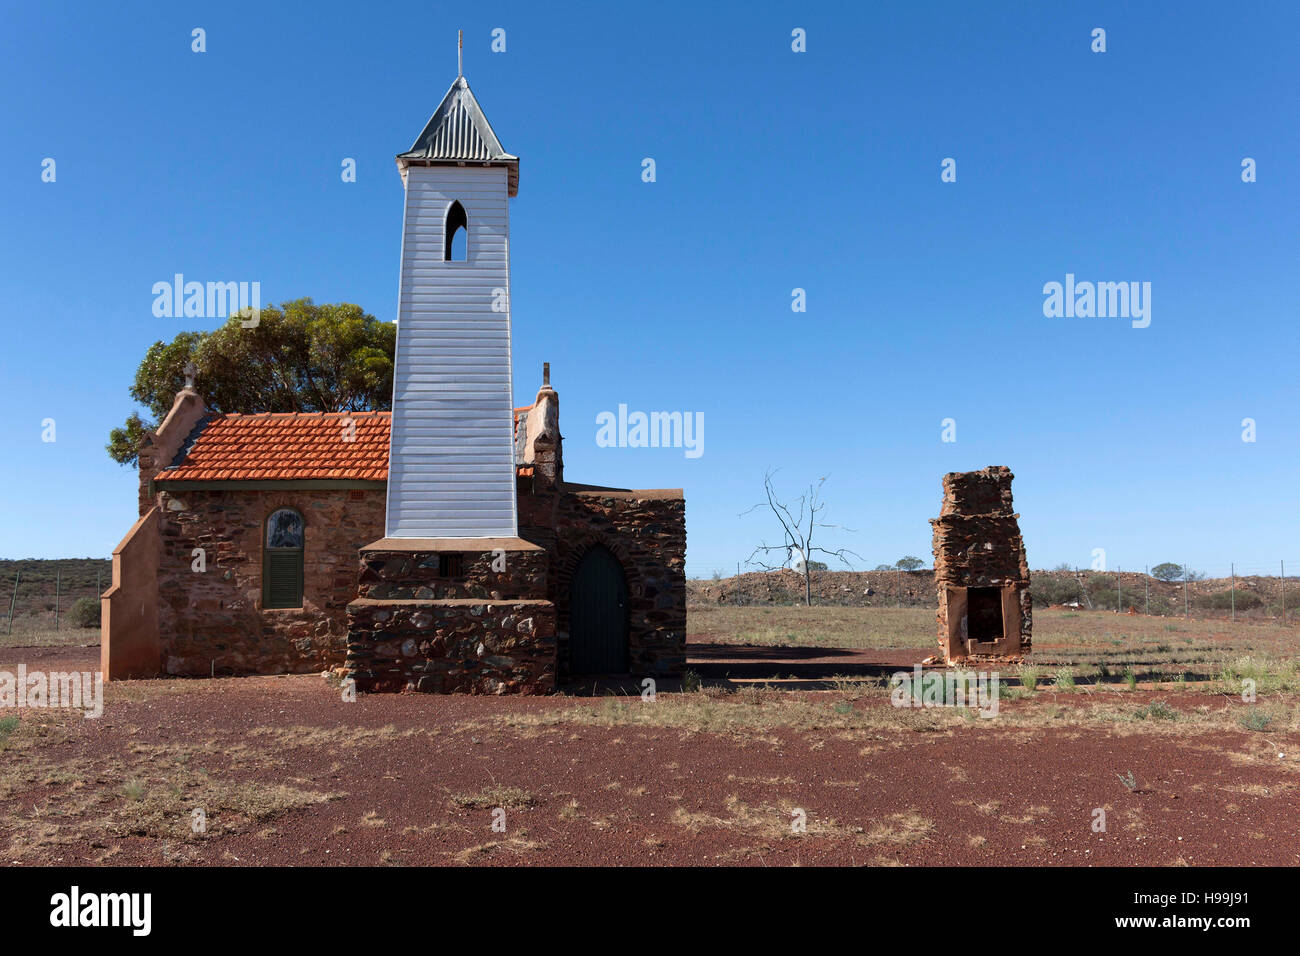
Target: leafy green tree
(909, 563)
(1167, 572)
(301, 357)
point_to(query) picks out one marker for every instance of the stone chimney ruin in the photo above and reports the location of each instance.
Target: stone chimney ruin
(981, 573)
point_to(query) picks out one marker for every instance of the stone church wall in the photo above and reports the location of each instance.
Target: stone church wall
(646, 531)
(213, 621)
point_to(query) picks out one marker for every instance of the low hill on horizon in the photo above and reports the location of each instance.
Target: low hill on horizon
(1094, 590)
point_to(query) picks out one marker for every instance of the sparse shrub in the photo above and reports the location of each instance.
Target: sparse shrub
(1157, 606)
(690, 682)
(1129, 780)
(1028, 677)
(134, 789)
(1223, 601)
(1269, 676)
(943, 691)
(853, 688)
(1158, 710)
(614, 710)
(1065, 679)
(964, 689)
(1256, 720)
(84, 612)
(1101, 589)
(1053, 590)
(1130, 678)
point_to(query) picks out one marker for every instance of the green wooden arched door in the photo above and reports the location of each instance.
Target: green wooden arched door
(598, 615)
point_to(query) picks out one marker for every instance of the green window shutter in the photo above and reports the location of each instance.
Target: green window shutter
(282, 578)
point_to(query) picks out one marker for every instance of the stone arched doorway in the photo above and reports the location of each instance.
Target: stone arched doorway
(598, 615)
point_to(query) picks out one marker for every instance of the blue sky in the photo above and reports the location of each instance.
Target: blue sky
(775, 170)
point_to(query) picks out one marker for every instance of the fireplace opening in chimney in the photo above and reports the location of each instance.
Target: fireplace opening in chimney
(984, 614)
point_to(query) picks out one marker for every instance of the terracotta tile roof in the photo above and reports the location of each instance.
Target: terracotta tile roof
(284, 447)
(287, 447)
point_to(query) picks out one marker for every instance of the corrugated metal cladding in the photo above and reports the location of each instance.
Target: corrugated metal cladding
(451, 463)
(458, 130)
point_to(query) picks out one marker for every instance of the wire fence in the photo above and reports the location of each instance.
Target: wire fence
(41, 598)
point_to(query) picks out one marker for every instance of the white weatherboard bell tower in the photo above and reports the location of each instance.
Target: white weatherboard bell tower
(451, 471)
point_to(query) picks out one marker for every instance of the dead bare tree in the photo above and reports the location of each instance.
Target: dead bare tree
(798, 530)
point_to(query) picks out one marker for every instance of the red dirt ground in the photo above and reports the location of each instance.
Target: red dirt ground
(974, 794)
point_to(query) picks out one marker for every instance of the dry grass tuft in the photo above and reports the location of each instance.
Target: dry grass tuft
(518, 843)
(494, 796)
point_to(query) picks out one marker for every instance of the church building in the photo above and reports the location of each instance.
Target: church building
(437, 547)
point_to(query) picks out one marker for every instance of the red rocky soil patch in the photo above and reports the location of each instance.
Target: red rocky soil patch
(413, 779)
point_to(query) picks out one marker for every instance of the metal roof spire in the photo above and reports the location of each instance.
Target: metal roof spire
(458, 133)
(460, 48)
